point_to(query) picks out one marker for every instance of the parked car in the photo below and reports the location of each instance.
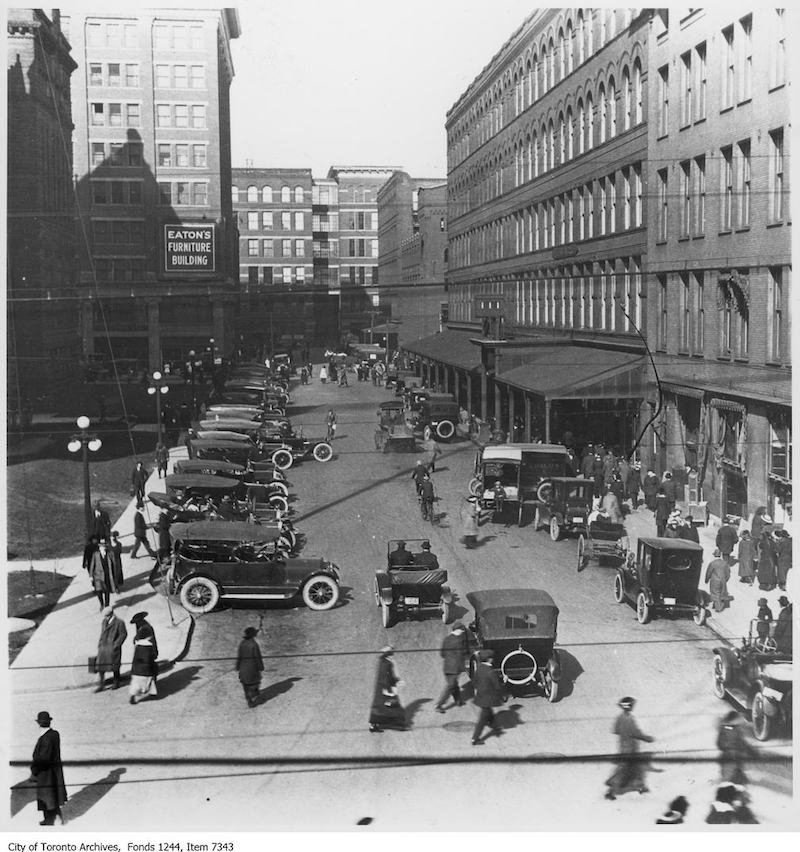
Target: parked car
(663, 576)
(520, 626)
(757, 677)
(228, 561)
(417, 396)
(565, 507)
(437, 417)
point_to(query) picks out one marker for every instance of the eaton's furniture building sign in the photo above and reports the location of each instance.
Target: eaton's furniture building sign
(189, 248)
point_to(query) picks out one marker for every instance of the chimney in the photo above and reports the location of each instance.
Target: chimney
(55, 17)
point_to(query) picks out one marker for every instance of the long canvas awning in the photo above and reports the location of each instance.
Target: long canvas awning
(741, 381)
(579, 372)
(448, 347)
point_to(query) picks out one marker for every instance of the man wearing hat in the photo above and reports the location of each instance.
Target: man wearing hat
(717, 575)
(386, 710)
(734, 749)
(629, 774)
(51, 792)
(426, 560)
(783, 556)
(249, 664)
(489, 693)
(783, 629)
(400, 557)
(100, 573)
(727, 539)
(454, 653)
(115, 552)
(113, 634)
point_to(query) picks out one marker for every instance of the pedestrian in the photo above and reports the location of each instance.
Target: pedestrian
(91, 547)
(470, 519)
(689, 530)
(598, 474)
(734, 750)
(113, 634)
(767, 577)
(323, 374)
(610, 505)
(717, 575)
(650, 489)
(249, 664)
(190, 434)
(426, 498)
(726, 540)
(587, 462)
(668, 484)
(633, 483)
(46, 768)
(100, 573)
(624, 471)
(758, 521)
(783, 556)
(418, 474)
(330, 420)
(498, 497)
(100, 525)
(303, 376)
(435, 451)
(617, 489)
(764, 622)
(489, 693)
(115, 554)
(783, 629)
(164, 541)
(454, 653)
(386, 711)
(730, 805)
(138, 483)
(140, 536)
(745, 554)
(144, 667)
(661, 512)
(629, 774)
(162, 459)
(676, 812)
(674, 524)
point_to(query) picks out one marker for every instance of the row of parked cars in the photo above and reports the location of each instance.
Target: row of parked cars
(230, 503)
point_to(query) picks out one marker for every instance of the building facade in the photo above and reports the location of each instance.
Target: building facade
(546, 227)
(157, 236)
(719, 253)
(43, 346)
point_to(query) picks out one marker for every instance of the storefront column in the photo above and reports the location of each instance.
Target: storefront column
(547, 405)
(484, 395)
(446, 378)
(469, 392)
(528, 417)
(511, 415)
(153, 336)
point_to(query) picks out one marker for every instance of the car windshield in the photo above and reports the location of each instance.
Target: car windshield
(526, 621)
(578, 491)
(678, 562)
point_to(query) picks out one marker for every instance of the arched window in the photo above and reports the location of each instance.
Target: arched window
(551, 144)
(545, 154)
(637, 92)
(603, 103)
(612, 109)
(252, 194)
(286, 195)
(298, 194)
(534, 80)
(626, 99)
(589, 29)
(543, 69)
(235, 194)
(580, 38)
(611, 17)
(562, 139)
(581, 127)
(529, 154)
(562, 55)
(551, 61)
(529, 83)
(589, 122)
(266, 194)
(535, 155)
(570, 136)
(570, 48)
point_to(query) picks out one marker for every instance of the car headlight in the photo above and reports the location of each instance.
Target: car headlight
(333, 569)
(773, 694)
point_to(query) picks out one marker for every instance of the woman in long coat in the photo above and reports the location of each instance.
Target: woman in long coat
(783, 556)
(746, 553)
(145, 655)
(766, 561)
(717, 575)
(249, 665)
(386, 710)
(470, 517)
(115, 552)
(113, 634)
(650, 488)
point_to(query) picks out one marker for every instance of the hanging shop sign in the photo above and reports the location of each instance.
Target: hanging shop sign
(190, 247)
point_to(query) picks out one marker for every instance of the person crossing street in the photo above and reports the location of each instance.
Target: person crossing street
(454, 653)
(426, 498)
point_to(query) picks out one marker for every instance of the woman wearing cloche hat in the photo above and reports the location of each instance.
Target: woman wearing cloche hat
(629, 774)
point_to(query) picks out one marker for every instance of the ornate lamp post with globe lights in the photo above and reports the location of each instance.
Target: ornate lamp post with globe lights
(85, 441)
(154, 389)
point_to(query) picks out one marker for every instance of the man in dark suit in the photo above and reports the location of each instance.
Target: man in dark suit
(454, 653)
(426, 559)
(51, 792)
(400, 557)
(727, 539)
(140, 536)
(100, 523)
(489, 693)
(139, 482)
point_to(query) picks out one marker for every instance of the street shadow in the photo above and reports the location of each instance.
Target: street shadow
(571, 670)
(22, 795)
(509, 717)
(485, 540)
(176, 681)
(86, 798)
(413, 708)
(457, 612)
(274, 690)
(134, 600)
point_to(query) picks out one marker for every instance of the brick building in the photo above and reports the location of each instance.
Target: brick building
(157, 238)
(719, 252)
(43, 346)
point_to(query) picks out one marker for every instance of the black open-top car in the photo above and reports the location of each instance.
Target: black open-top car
(519, 625)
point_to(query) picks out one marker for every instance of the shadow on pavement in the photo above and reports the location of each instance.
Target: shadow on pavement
(176, 681)
(89, 796)
(508, 717)
(413, 708)
(571, 670)
(275, 690)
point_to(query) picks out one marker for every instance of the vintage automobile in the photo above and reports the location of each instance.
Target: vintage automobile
(663, 577)
(403, 591)
(280, 456)
(565, 507)
(402, 380)
(519, 625)
(242, 412)
(416, 396)
(225, 435)
(524, 470)
(233, 469)
(758, 677)
(437, 418)
(603, 540)
(225, 561)
(393, 433)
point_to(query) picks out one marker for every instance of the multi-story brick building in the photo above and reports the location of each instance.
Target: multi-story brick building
(719, 252)
(43, 345)
(157, 238)
(546, 229)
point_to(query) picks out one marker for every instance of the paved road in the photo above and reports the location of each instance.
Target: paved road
(319, 677)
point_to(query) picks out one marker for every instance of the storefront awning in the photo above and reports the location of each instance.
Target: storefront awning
(578, 372)
(741, 382)
(448, 347)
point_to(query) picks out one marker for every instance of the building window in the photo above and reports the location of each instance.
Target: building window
(663, 100)
(181, 115)
(726, 174)
(181, 76)
(115, 115)
(744, 184)
(298, 195)
(637, 92)
(252, 248)
(267, 273)
(199, 156)
(196, 38)
(661, 340)
(626, 198)
(132, 114)
(300, 274)
(98, 115)
(266, 220)
(198, 116)
(299, 248)
(775, 314)
(686, 200)
(163, 115)
(701, 80)
(267, 248)
(746, 59)
(776, 175)
(725, 330)
(197, 78)
(729, 68)
(603, 206)
(182, 156)
(700, 196)
(95, 74)
(235, 194)
(182, 193)
(286, 248)
(252, 221)
(686, 88)
(589, 122)
(698, 309)
(164, 192)
(286, 195)
(778, 52)
(287, 274)
(98, 153)
(299, 220)
(286, 221)
(164, 155)
(636, 173)
(266, 194)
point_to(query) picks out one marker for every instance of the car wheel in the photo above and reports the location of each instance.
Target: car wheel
(282, 459)
(762, 724)
(642, 609)
(475, 486)
(581, 553)
(544, 490)
(555, 529)
(619, 588)
(427, 433)
(537, 520)
(278, 488)
(700, 615)
(278, 501)
(377, 593)
(721, 676)
(550, 688)
(445, 612)
(323, 452)
(199, 595)
(285, 543)
(321, 592)
(386, 614)
(445, 429)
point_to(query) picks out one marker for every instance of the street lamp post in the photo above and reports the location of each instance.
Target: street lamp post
(86, 442)
(156, 390)
(191, 374)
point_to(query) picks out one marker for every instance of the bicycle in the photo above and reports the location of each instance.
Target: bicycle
(427, 509)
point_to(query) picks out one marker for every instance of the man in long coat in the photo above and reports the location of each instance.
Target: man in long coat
(100, 574)
(115, 552)
(629, 774)
(113, 634)
(650, 488)
(100, 525)
(489, 693)
(454, 654)
(51, 792)
(386, 710)
(717, 575)
(727, 539)
(139, 482)
(783, 556)
(140, 536)
(249, 664)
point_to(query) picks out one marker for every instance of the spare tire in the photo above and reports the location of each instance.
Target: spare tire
(520, 664)
(445, 429)
(544, 489)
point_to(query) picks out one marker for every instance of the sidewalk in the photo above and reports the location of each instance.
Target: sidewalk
(732, 623)
(68, 636)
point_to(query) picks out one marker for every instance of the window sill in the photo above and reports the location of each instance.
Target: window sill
(698, 237)
(662, 136)
(747, 100)
(684, 238)
(776, 87)
(686, 126)
(742, 359)
(725, 233)
(774, 364)
(776, 224)
(661, 242)
(726, 109)
(743, 230)
(701, 120)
